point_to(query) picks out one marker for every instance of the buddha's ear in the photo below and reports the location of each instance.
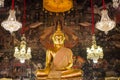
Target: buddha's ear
(51, 37)
(63, 38)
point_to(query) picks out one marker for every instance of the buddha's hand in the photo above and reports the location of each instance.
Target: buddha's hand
(60, 69)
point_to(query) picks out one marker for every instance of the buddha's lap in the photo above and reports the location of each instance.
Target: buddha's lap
(72, 72)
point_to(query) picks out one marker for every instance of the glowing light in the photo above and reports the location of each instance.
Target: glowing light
(1, 3)
(116, 3)
(95, 52)
(11, 24)
(21, 53)
(105, 24)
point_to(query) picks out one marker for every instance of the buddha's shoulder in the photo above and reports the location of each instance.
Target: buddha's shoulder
(61, 49)
(66, 48)
(49, 50)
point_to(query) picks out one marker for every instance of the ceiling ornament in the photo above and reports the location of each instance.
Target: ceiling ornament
(105, 24)
(1, 3)
(11, 24)
(94, 52)
(57, 5)
(23, 53)
(116, 3)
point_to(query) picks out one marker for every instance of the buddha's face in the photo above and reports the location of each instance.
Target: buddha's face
(58, 39)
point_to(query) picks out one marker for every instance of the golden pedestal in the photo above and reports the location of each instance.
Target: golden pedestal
(73, 78)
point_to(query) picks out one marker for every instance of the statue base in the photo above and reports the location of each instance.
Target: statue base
(73, 78)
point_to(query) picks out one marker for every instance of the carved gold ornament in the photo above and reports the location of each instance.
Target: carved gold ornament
(57, 5)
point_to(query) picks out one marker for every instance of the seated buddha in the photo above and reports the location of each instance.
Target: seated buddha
(59, 60)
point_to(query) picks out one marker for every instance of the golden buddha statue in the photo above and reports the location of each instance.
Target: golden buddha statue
(59, 60)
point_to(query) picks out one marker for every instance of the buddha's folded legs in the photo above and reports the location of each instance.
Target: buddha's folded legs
(72, 73)
(41, 73)
(65, 74)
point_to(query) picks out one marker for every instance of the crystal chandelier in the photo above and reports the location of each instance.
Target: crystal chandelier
(11, 24)
(22, 53)
(105, 24)
(95, 52)
(116, 3)
(1, 3)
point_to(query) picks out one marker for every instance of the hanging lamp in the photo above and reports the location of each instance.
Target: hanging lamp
(105, 24)
(116, 3)
(94, 52)
(11, 24)
(23, 53)
(1, 3)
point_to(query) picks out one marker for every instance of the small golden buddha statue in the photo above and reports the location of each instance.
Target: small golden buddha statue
(59, 60)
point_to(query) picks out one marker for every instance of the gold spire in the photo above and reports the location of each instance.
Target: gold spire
(58, 31)
(58, 27)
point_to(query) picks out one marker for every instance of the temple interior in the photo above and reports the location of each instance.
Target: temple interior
(77, 19)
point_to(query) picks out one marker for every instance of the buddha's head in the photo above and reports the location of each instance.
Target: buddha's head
(58, 37)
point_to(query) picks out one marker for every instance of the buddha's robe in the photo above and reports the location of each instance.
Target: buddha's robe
(62, 59)
(62, 62)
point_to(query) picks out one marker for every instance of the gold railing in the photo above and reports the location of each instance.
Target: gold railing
(112, 78)
(5, 79)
